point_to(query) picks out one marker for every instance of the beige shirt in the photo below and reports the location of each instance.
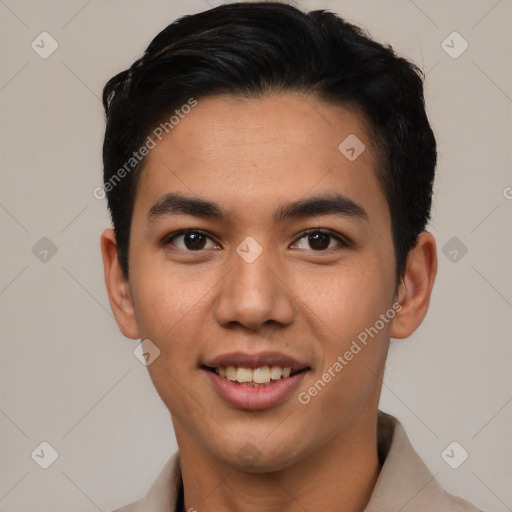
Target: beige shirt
(404, 484)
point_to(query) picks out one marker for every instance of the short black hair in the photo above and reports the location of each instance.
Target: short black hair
(259, 48)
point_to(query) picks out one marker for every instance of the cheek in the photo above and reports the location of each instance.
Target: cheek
(349, 299)
(353, 356)
(164, 297)
(167, 310)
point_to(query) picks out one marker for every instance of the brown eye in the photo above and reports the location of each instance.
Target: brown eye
(318, 240)
(191, 241)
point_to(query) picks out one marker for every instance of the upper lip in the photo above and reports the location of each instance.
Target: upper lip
(252, 361)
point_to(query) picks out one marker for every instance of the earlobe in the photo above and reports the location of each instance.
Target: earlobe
(415, 289)
(117, 287)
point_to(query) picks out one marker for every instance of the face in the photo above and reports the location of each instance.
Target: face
(259, 250)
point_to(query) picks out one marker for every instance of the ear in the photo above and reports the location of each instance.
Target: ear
(117, 286)
(416, 287)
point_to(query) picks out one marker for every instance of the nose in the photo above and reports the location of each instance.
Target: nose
(253, 294)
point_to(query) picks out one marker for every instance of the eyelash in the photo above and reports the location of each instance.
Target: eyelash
(341, 240)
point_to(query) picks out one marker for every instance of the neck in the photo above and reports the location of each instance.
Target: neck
(339, 476)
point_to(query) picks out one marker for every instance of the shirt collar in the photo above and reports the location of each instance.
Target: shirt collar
(404, 483)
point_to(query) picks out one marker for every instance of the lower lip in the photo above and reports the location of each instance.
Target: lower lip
(252, 398)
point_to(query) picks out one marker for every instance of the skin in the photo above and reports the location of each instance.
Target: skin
(252, 156)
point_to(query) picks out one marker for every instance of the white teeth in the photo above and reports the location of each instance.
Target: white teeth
(244, 375)
(231, 373)
(261, 375)
(276, 372)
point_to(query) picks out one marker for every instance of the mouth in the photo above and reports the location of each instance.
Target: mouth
(257, 377)
(257, 381)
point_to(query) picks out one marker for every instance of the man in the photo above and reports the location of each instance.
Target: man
(269, 174)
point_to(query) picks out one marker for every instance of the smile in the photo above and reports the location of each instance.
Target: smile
(254, 381)
(257, 377)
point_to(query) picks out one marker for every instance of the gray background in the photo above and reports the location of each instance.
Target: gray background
(68, 377)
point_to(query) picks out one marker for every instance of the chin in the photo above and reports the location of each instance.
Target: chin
(263, 465)
(259, 457)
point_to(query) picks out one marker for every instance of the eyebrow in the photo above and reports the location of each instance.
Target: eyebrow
(330, 204)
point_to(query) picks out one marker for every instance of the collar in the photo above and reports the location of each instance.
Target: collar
(405, 484)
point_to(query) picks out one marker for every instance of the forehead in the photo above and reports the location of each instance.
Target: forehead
(272, 149)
